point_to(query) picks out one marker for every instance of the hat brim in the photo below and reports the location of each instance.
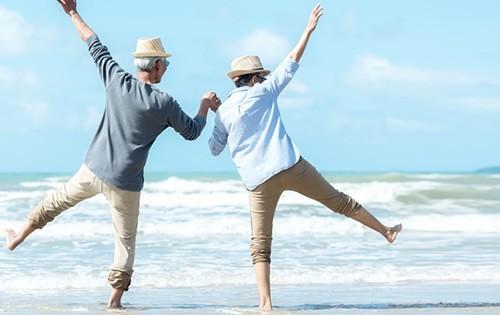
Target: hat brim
(151, 54)
(236, 73)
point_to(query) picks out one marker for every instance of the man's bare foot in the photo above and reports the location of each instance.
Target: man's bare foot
(115, 299)
(393, 232)
(115, 308)
(10, 237)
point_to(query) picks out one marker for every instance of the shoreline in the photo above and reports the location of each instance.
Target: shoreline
(409, 299)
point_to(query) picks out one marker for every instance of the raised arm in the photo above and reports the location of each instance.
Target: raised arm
(298, 50)
(69, 6)
(283, 74)
(107, 67)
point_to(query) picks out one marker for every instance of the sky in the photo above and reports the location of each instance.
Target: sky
(384, 86)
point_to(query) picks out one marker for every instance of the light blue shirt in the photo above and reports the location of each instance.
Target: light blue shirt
(249, 121)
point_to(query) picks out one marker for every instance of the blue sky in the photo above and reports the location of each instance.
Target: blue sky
(383, 86)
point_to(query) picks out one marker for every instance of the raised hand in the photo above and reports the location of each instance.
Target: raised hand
(316, 13)
(68, 6)
(211, 100)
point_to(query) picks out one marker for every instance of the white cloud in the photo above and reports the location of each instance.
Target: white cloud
(374, 69)
(92, 118)
(9, 76)
(348, 22)
(295, 101)
(296, 95)
(408, 125)
(16, 34)
(342, 120)
(86, 121)
(478, 102)
(37, 113)
(266, 44)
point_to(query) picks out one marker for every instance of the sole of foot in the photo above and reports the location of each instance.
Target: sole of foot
(10, 236)
(393, 233)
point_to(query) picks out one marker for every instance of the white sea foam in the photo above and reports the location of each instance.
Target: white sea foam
(226, 225)
(467, 223)
(186, 276)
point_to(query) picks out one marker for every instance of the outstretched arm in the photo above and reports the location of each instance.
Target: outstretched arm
(108, 68)
(280, 77)
(298, 50)
(69, 6)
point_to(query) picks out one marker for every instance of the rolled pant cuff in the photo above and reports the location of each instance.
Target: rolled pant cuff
(261, 258)
(120, 279)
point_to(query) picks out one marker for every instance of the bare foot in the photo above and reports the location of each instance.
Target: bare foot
(266, 307)
(10, 237)
(115, 308)
(393, 232)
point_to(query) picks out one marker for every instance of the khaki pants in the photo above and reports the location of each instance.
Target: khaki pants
(124, 212)
(302, 178)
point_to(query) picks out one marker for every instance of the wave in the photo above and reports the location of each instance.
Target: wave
(155, 276)
(376, 190)
(226, 225)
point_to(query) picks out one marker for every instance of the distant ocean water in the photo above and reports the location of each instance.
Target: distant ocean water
(194, 234)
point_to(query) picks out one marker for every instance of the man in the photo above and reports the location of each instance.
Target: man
(136, 113)
(268, 161)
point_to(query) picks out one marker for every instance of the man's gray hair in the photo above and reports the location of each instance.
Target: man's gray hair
(146, 63)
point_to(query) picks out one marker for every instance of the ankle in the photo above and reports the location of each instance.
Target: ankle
(265, 304)
(113, 304)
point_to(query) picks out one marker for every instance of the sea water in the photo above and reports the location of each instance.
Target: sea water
(193, 246)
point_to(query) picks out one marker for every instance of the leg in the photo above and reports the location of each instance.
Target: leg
(78, 188)
(367, 219)
(306, 180)
(125, 214)
(263, 201)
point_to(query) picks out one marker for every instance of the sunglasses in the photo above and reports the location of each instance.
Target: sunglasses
(261, 77)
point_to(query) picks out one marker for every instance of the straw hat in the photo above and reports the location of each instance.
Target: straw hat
(150, 47)
(246, 65)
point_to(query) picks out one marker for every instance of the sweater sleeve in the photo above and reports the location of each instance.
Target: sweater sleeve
(189, 128)
(107, 67)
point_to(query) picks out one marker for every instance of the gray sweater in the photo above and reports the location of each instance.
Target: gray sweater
(136, 113)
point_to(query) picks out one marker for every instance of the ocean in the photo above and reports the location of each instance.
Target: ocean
(193, 248)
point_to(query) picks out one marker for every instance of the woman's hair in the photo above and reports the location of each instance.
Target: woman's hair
(146, 63)
(244, 80)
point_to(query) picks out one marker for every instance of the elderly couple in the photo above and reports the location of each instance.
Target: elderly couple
(248, 122)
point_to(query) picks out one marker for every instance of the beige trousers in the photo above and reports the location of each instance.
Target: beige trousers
(124, 212)
(302, 178)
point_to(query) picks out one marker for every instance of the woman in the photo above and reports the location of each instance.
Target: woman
(268, 161)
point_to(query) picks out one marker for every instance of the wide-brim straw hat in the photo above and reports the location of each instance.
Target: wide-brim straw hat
(150, 47)
(246, 65)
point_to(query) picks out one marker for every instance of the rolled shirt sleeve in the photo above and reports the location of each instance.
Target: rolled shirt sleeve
(281, 76)
(108, 68)
(218, 140)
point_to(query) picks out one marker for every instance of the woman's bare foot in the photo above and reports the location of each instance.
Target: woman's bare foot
(393, 232)
(266, 307)
(11, 239)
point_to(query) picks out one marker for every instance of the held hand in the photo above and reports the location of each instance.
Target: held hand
(68, 6)
(210, 100)
(316, 13)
